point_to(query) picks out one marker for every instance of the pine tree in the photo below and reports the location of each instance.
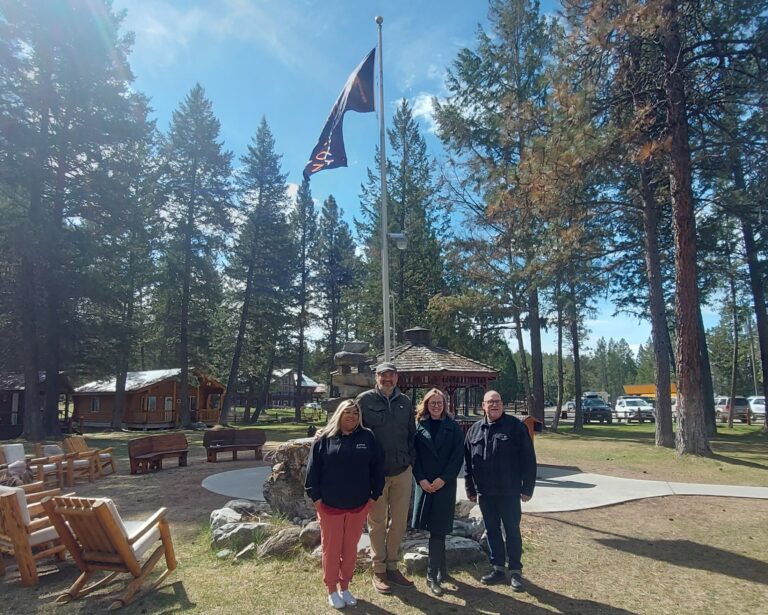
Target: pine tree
(303, 224)
(337, 268)
(65, 107)
(260, 261)
(197, 179)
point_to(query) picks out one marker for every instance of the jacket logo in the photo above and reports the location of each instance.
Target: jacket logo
(361, 445)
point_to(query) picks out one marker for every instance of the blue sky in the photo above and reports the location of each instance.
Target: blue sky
(287, 60)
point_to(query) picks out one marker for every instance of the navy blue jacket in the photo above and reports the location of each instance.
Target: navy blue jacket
(345, 471)
(499, 458)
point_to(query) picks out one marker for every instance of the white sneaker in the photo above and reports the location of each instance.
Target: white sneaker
(336, 601)
(348, 598)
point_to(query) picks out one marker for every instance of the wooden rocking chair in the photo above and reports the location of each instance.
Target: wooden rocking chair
(98, 539)
(26, 532)
(104, 458)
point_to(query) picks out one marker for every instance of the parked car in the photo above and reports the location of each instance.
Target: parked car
(740, 409)
(633, 409)
(595, 409)
(757, 406)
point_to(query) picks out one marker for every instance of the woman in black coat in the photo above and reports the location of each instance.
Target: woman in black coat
(439, 456)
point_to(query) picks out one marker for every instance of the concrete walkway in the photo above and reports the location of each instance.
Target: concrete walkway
(558, 489)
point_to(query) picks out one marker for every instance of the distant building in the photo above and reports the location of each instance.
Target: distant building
(282, 390)
(151, 400)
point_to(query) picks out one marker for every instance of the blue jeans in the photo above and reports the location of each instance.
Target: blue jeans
(498, 509)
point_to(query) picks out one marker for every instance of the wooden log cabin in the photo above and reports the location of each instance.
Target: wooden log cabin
(12, 392)
(151, 400)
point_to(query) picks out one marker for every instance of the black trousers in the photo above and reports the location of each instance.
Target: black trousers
(436, 566)
(498, 509)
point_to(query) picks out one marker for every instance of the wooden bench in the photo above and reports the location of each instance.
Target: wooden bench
(147, 453)
(224, 440)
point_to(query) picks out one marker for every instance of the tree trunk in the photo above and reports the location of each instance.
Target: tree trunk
(735, 324)
(560, 379)
(710, 420)
(578, 419)
(185, 413)
(234, 369)
(659, 332)
(758, 301)
(691, 431)
(537, 363)
(521, 353)
(261, 400)
(126, 343)
(249, 399)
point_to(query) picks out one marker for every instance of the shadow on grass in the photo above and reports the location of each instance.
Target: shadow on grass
(684, 553)
(694, 555)
(493, 600)
(739, 462)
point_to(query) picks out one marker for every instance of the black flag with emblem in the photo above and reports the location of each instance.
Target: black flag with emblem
(357, 95)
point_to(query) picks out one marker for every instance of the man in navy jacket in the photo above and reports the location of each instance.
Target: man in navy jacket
(500, 473)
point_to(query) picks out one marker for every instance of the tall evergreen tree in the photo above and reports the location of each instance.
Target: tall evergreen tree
(260, 261)
(303, 224)
(65, 106)
(197, 179)
(336, 267)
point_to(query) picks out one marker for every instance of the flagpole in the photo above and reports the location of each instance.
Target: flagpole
(384, 223)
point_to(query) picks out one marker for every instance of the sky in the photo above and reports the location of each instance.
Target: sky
(287, 61)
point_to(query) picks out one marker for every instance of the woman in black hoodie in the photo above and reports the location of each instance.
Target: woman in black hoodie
(345, 474)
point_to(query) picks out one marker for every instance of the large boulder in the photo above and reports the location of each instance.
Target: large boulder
(223, 516)
(283, 542)
(247, 508)
(356, 346)
(235, 536)
(284, 489)
(351, 358)
(458, 550)
(310, 535)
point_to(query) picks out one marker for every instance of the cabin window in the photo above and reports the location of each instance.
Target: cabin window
(95, 404)
(215, 400)
(168, 404)
(151, 403)
(193, 402)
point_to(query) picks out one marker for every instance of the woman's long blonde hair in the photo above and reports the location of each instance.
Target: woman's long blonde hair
(422, 411)
(334, 423)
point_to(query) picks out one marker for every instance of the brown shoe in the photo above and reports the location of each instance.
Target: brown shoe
(397, 577)
(380, 583)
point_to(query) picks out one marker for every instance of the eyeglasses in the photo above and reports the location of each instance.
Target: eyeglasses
(352, 412)
(435, 404)
(492, 401)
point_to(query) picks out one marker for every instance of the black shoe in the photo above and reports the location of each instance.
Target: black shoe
(516, 582)
(434, 587)
(494, 577)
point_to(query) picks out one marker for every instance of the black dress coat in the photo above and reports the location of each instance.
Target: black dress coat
(439, 457)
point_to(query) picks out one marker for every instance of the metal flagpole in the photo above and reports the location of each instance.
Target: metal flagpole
(384, 223)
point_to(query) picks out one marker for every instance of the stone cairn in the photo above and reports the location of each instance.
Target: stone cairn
(286, 523)
(353, 376)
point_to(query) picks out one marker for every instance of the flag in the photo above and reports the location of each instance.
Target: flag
(357, 95)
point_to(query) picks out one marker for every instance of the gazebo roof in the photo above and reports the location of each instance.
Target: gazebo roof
(418, 355)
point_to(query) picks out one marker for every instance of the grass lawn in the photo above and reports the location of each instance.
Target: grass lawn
(662, 555)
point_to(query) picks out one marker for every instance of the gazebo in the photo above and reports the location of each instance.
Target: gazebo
(421, 365)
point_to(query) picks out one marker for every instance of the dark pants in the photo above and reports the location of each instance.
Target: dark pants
(498, 509)
(436, 567)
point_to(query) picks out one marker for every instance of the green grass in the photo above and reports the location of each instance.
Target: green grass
(740, 455)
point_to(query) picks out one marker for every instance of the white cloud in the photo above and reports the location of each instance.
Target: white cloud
(165, 32)
(424, 110)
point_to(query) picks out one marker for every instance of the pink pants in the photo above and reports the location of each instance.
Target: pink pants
(339, 535)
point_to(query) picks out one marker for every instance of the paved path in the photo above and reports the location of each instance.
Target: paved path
(558, 489)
